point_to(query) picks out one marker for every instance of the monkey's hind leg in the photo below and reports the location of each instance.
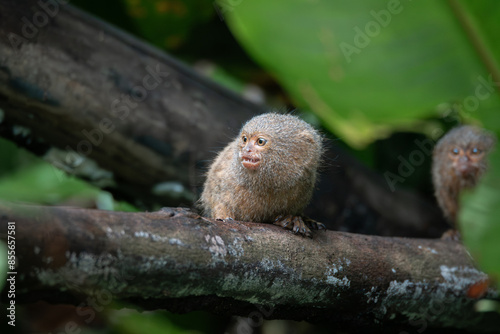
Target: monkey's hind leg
(298, 224)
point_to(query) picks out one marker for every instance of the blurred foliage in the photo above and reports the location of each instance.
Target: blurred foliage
(26, 178)
(167, 23)
(369, 67)
(132, 322)
(480, 223)
(114, 12)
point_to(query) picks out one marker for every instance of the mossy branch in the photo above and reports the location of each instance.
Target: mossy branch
(174, 259)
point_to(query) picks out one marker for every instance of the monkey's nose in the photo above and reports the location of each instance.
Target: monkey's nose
(248, 148)
(465, 168)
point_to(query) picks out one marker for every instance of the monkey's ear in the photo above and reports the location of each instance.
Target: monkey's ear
(307, 136)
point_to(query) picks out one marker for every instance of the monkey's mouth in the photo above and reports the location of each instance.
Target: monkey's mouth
(251, 163)
(466, 170)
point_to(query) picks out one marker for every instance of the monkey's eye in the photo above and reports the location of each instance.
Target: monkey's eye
(244, 138)
(261, 142)
(475, 150)
(455, 151)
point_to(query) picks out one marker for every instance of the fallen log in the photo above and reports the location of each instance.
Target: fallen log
(176, 260)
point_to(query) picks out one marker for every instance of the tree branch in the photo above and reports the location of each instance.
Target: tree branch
(176, 260)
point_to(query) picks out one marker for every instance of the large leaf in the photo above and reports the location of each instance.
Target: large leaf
(480, 220)
(367, 67)
(480, 217)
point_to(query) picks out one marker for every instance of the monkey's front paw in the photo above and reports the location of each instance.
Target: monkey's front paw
(295, 224)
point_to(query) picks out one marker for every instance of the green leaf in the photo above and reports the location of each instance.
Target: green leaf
(369, 67)
(42, 183)
(479, 220)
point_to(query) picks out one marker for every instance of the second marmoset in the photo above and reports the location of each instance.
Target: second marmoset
(267, 174)
(459, 161)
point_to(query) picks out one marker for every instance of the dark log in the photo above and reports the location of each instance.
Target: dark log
(174, 259)
(102, 105)
(86, 92)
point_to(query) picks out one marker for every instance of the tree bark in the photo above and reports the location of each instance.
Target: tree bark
(174, 259)
(106, 107)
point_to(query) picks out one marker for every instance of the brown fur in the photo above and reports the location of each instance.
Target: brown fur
(281, 185)
(452, 172)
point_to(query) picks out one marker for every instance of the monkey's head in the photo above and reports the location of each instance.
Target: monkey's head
(462, 153)
(278, 147)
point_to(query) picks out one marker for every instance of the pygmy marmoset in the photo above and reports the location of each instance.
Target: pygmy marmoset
(459, 160)
(266, 174)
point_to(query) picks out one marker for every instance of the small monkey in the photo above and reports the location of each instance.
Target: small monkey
(459, 160)
(266, 174)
